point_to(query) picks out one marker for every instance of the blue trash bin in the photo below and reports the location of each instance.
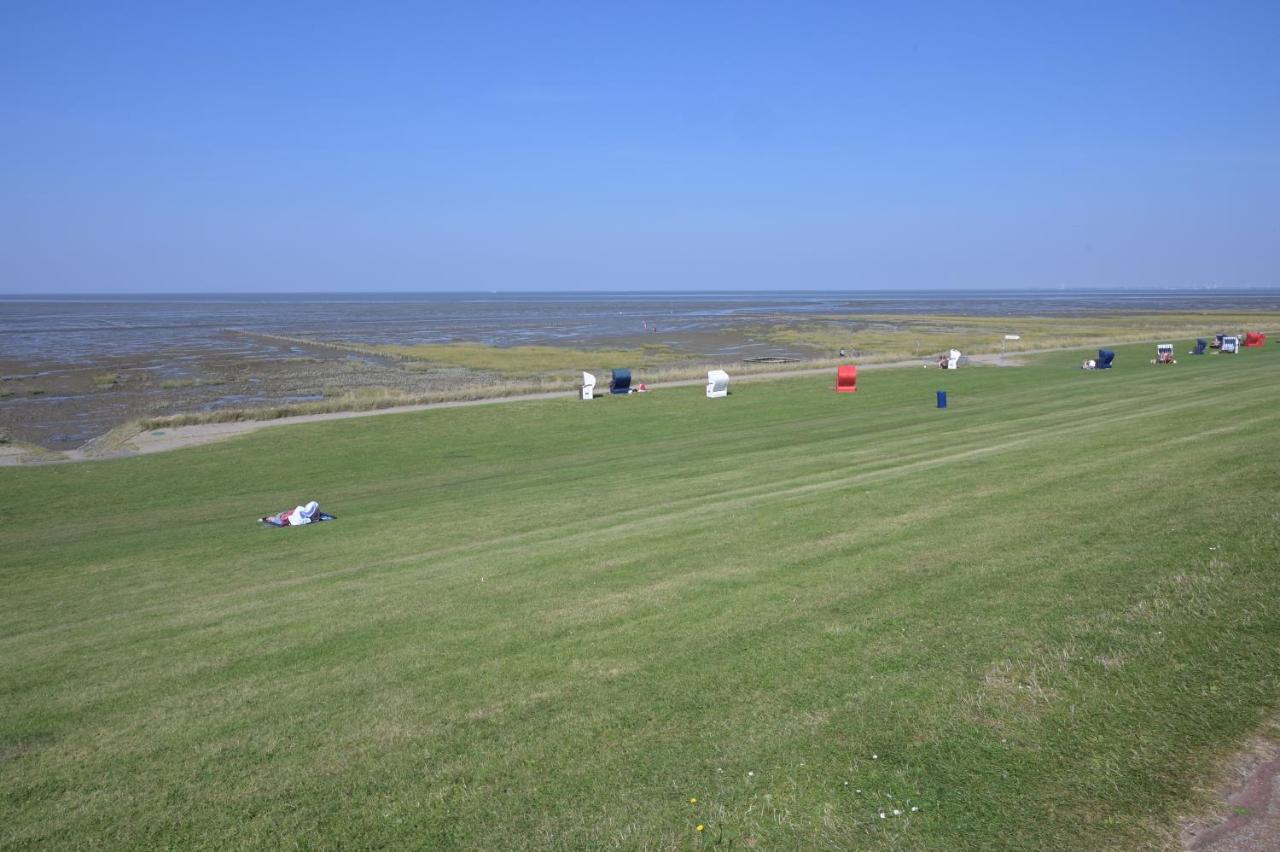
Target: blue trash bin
(942, 399)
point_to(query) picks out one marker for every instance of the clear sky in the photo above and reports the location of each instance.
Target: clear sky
(195, 147)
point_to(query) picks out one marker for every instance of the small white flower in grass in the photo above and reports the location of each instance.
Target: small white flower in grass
(897, 812)
(882, 815)
(875, 757)
(914, 809)
(859, 790)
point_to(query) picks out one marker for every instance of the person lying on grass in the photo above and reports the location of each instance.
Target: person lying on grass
(295, 517)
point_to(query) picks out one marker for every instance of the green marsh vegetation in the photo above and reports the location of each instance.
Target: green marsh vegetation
(338, 400)
(526, 360)
(1040, 618)
(893, 336)
(509, 361)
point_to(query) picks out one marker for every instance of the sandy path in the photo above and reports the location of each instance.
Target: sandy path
(1249, 820)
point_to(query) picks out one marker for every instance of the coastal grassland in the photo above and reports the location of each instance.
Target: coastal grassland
(480, 371)
(25, 452)
(335, 400)
(1041, 617)
(505, 361)
(526, 360)
(338, 399)
(893, 336)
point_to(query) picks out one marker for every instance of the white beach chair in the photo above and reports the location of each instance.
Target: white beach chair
(953, 359)
(588, 386)
(1231, 345)
(717, 384)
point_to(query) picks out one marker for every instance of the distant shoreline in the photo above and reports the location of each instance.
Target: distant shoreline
(237, 295)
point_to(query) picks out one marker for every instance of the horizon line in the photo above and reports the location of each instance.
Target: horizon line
(1045, 291)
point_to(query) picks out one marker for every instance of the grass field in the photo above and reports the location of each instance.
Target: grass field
(1040, 618)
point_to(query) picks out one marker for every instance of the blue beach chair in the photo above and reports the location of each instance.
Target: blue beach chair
(1105, 357)
(621, 382)
(1201, 343)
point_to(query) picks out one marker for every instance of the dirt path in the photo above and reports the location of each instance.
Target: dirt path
(1249, 817)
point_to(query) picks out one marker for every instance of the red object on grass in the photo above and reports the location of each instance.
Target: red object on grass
(847, 379)
(1255, 338)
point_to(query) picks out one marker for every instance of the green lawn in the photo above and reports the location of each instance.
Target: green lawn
(1040, 617)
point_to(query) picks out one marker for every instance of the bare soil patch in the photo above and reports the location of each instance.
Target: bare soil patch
(1248, 817)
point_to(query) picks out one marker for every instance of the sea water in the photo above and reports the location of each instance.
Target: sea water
(80, 328)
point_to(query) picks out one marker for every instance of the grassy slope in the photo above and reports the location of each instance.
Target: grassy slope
(1039, 616)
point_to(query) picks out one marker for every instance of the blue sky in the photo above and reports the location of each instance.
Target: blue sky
(437, 146)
